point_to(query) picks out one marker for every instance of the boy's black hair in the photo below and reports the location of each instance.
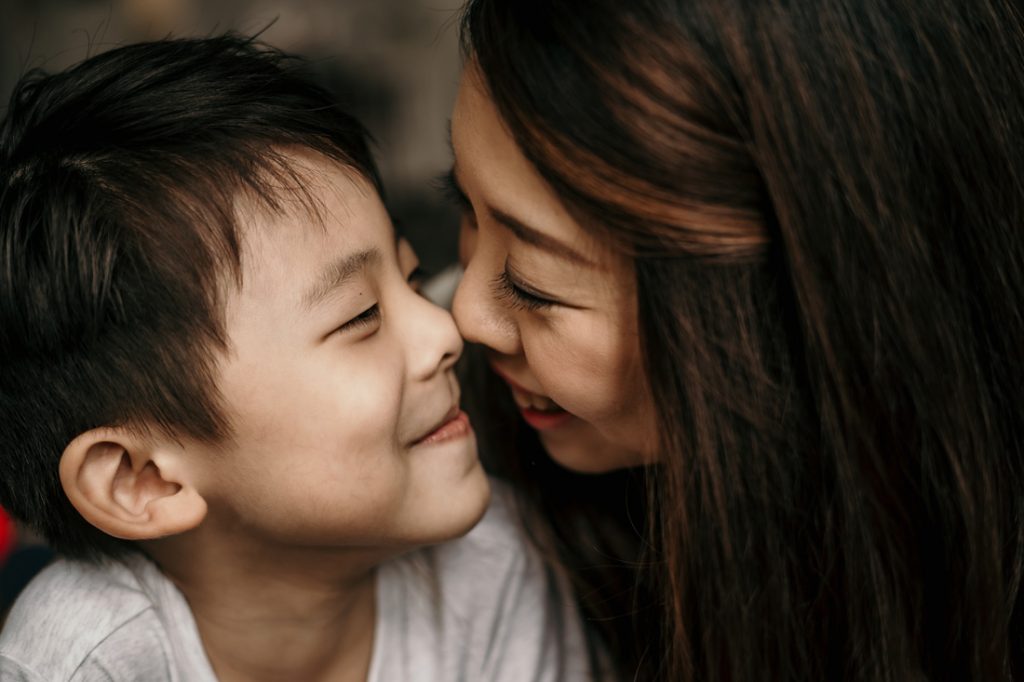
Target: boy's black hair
(118, 185)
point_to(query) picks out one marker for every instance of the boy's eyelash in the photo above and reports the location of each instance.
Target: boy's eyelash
(517, 297)
(365, 318)
(372, 314)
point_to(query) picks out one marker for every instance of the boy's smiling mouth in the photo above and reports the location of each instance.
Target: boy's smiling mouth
(455, 424)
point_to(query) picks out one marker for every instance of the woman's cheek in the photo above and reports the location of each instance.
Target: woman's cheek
(576, 375)
(467, 242)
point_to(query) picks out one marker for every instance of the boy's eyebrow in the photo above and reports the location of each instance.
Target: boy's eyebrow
(522, 231)
(337, 273)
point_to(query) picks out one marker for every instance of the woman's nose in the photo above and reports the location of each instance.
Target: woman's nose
(480, 318)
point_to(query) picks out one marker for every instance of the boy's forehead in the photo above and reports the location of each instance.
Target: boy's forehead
(305, 192)
(323, 211)
(304, 185)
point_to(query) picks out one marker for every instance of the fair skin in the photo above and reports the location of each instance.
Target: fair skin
(347, 449)
(555, 307)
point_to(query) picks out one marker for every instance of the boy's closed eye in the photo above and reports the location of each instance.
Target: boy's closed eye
(363, 321)
(367, 321)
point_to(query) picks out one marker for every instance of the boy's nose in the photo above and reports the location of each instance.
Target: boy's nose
(435, 345)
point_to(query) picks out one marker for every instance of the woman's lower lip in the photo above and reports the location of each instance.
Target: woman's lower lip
(457, 427)
(545, 421)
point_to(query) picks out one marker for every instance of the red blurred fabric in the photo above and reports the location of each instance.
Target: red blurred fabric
(6, 536)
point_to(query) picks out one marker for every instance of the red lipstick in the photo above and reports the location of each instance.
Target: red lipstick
(541, 420)
(544, 421)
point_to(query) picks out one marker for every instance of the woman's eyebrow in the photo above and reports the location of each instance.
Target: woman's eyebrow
(523, 232)
(539, 239)
(337, 273)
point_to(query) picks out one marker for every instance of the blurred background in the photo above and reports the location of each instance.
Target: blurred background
(393, 63)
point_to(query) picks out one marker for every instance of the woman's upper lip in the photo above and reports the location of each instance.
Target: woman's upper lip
(512, 382)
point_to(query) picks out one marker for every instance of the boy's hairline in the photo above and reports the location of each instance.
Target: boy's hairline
(251, 210)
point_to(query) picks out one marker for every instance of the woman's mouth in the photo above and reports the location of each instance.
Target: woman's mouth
(545, 421)
(540, 412)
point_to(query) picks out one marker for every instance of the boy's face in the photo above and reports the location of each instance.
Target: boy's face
(337, 371)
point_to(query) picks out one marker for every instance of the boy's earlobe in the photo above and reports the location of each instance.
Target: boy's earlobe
(128, 486)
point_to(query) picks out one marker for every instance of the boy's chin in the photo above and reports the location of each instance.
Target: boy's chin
(455, 513)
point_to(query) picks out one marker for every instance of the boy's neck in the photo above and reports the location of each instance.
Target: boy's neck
(277, 615)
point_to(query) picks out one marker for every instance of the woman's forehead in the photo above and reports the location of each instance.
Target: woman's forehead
(491, 170)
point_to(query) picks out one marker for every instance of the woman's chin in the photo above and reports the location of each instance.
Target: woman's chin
(579, 446)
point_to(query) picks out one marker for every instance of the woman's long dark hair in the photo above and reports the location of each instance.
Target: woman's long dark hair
(825, 203)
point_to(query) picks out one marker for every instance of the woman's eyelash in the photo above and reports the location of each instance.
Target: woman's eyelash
(516, 296)
(365, 318)
(451, 191)
(417, 276)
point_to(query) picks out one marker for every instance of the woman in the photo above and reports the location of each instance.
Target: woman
(762, 261)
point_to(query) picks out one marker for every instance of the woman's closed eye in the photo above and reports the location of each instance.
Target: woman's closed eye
(452, 192)
(416, 278)
(519, 295)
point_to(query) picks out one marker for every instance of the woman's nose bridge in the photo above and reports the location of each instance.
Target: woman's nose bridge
(479, 317)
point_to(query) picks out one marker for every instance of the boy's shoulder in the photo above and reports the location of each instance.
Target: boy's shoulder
(82, 621)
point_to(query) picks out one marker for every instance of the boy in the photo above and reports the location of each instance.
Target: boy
(221, 399)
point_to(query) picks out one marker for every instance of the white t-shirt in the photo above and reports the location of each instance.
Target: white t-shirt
(483, 608)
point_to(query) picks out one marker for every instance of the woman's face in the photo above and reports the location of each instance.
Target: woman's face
(555, 307)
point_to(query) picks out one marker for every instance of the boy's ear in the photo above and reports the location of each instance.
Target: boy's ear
(128, 486)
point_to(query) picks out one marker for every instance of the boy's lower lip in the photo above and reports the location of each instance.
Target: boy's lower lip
(453, 429)
(545, 421)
